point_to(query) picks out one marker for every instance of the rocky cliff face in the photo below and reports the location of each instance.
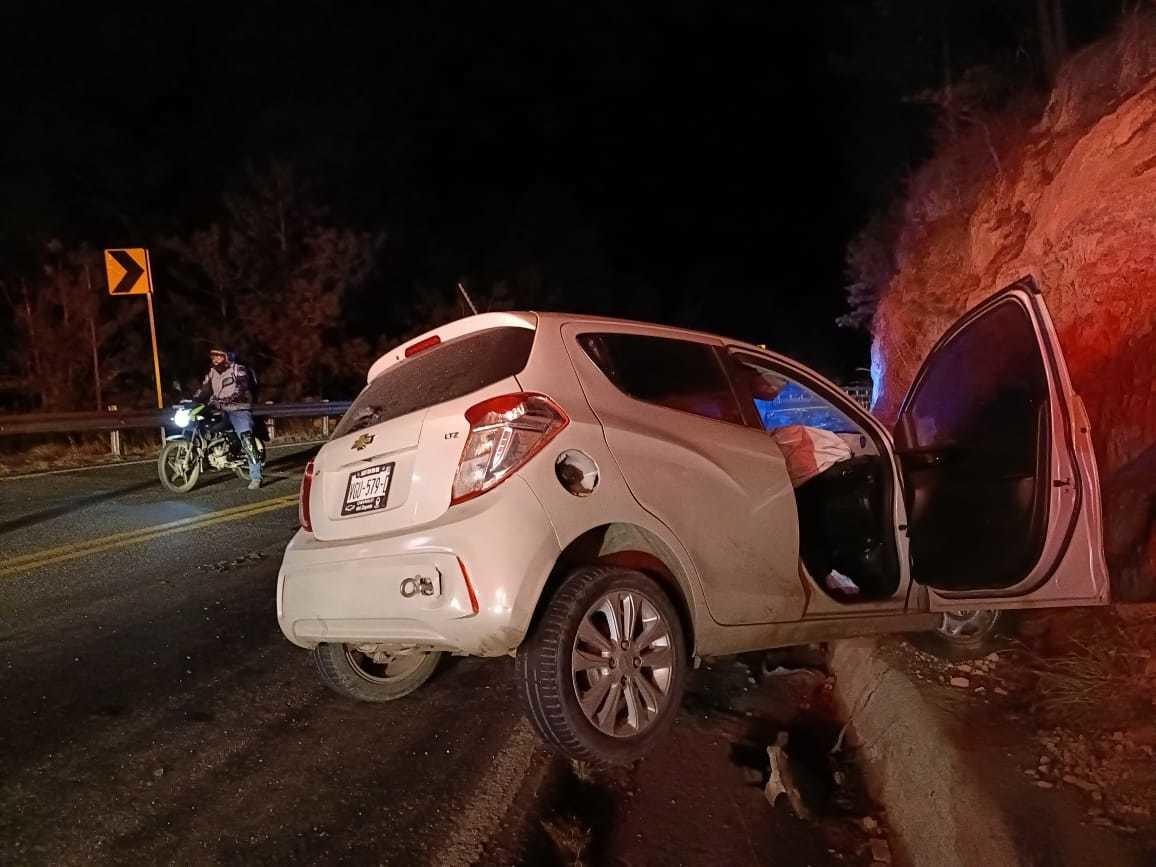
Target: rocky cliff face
(1071, 200)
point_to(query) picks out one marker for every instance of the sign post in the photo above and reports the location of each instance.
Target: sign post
(156, 355)
(130, 273)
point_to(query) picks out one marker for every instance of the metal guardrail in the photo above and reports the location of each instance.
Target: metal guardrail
(861, 394)
(81, 422)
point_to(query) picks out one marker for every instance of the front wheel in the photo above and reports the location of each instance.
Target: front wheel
(366, 673)
(177, 467)
(965, 634)
(601, 674)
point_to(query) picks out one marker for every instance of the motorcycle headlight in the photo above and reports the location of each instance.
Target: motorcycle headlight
(181, 418)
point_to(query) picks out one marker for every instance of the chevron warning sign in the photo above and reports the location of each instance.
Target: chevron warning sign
(128, 271)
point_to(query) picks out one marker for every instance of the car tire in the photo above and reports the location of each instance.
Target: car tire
(963, 635)
(167, 467)
(608, 714)
(353, 674)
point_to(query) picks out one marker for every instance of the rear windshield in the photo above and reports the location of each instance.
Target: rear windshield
(450, 370)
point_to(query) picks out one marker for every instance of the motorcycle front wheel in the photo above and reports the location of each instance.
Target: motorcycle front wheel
(177, 468)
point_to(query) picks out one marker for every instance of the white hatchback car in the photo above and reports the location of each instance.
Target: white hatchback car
(601, 499)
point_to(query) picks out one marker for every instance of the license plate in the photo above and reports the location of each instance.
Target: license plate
(367, 490)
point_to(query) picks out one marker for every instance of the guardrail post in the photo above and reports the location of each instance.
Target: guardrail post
(270, 424)
(325, 423)
(113, 436)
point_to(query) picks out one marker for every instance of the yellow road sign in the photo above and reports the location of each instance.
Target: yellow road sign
(128, 271)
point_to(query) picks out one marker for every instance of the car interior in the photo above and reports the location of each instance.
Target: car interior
(845, 520)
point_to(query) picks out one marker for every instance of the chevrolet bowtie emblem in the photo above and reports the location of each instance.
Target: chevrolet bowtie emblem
(362, 441)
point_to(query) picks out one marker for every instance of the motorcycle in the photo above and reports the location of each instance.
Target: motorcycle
(206, 442)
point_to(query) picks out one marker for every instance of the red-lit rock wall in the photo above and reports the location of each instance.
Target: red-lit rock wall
(1073, 202)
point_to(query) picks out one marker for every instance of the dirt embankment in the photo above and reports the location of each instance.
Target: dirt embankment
(1067, 193)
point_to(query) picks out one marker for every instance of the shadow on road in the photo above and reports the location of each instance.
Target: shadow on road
(280, 469)
(34, 518)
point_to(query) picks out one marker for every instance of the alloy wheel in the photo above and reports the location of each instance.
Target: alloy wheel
(622, 662)
(966, 625)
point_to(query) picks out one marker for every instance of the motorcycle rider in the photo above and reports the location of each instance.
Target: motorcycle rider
(229, 387)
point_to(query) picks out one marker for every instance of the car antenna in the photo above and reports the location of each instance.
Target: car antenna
(466, 295)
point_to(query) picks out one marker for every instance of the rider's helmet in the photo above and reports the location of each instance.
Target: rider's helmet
(219, 356)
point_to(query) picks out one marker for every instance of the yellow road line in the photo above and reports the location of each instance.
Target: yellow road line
(46, 557)
(141, 531)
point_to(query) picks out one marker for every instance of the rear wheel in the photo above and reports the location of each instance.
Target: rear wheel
(602, 672)
(177, 467)
(365, 673)
(243, 470)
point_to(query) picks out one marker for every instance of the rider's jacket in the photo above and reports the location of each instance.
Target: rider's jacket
(231, 389)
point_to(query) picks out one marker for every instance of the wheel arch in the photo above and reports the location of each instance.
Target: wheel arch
(632, 547)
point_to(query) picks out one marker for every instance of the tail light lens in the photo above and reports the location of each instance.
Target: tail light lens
(303, 504)
(505, 432)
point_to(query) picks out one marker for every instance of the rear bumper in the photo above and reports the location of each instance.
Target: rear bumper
(411, 589)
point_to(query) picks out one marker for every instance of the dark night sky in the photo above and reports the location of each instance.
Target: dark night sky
(697, 162)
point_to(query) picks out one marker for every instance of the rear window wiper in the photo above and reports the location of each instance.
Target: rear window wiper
(368, 416)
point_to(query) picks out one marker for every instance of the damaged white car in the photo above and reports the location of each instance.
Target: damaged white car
(608, 500)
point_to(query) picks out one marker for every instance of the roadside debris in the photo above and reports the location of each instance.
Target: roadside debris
(226, 565)
(775, 785)
(781, 780)
(1084, 687)
(880, 851)
(569, 835)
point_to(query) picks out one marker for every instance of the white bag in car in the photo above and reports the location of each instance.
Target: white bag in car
(809, 451)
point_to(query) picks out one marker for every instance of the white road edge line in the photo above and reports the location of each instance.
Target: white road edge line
(131, 463)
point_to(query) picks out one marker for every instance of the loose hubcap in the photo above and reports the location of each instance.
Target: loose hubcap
(622, 663)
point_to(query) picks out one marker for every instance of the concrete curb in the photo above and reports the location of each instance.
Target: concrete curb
(933, 797)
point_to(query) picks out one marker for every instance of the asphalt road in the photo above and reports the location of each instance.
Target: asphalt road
(151, 712)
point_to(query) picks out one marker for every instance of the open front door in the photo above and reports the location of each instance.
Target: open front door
(1002, 492)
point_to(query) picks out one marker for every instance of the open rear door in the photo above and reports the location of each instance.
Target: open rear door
(1003, 498)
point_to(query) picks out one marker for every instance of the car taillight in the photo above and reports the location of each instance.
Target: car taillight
(505, 432)
(303, 504)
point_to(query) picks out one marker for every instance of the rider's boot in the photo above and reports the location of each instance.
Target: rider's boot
(250, 448)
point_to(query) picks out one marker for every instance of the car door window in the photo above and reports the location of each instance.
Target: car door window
(680, 374)
(780, 401)
(988, 392)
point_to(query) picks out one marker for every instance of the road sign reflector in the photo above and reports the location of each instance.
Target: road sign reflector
(128, 271)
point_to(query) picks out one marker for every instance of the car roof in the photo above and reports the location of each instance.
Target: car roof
(670, 330)
(536, 319)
